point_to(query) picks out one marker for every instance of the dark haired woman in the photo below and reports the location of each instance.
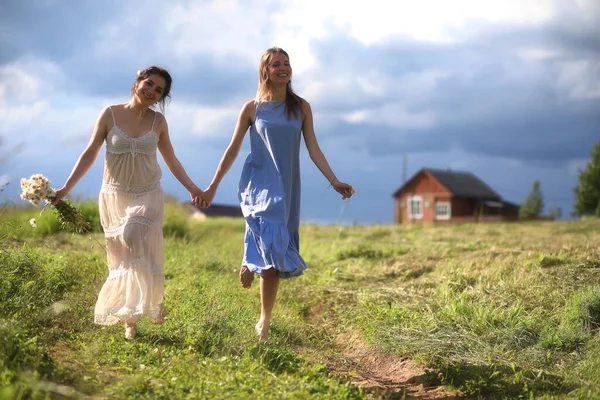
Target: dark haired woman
(131, 200)
(269, 188)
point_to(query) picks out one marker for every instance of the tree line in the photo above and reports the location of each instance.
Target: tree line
(587, 193)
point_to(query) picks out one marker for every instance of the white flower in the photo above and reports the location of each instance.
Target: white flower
(36, 189)
(33, 222)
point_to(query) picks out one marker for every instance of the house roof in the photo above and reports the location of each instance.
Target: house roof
(220, 210)
(459, 183)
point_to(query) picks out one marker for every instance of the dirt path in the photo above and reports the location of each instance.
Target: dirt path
(387, 376)
(384, 375)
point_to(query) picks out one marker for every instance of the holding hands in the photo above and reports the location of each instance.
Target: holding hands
(208, 196)
(198, 198)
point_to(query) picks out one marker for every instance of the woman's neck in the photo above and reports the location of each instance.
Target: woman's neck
(137, 107)
(277, 93)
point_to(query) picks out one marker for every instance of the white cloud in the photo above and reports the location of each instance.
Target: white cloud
(234, 30)
(22, 114)
(33, 107)
(203, 121)
(426, 20)
(356, 116)
(220, 28)
(394, 115)
(537, 54)
(581, 79)
(29, 79)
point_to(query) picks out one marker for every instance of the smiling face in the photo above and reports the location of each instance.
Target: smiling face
(150, 90)
(279, 70)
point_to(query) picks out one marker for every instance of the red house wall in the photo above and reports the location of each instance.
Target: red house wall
(462, 207)
(430, 190)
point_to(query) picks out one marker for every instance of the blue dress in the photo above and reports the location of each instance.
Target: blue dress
(269, 192)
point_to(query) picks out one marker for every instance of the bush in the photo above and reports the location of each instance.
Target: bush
(175, 224)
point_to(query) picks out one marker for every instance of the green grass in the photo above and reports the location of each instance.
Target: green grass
(501, 310)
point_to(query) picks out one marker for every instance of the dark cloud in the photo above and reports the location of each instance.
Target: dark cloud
(53, 29)
(67, 33)
(488, 99)
(208, 82)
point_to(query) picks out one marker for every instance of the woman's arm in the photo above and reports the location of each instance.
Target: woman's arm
(317, 156)
(168, 153)
(245, 119)
(87, 158)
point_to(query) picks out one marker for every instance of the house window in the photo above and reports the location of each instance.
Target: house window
(415, 209)
(442, 210)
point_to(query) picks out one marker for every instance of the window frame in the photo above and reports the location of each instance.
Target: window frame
(419, 200)
(447, 216)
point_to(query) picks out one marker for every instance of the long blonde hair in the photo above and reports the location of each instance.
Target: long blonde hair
(293, 102)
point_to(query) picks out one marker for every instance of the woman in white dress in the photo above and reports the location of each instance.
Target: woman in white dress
(131, 200)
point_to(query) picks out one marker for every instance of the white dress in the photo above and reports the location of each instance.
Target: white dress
(131, 206)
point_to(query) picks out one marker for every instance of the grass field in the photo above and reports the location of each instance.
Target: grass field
(474, 310)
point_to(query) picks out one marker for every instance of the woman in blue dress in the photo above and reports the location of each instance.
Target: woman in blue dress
(269, 188)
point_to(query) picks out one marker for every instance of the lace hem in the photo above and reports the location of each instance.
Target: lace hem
(125, 268)
(114, 231)
(128, 314)
(110, 188)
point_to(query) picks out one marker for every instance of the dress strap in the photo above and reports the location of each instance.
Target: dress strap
(113, 115)
(154, 121)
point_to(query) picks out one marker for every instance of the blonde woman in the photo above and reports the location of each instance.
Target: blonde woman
(269, 188)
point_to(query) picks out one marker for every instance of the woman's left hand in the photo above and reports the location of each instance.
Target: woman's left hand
(343, 188)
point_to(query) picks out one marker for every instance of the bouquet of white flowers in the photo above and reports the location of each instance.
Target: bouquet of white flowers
(37, 189)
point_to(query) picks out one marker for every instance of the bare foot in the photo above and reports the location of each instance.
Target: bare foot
(261, 332)
(246, 277)
(162, 313)
(130, 330)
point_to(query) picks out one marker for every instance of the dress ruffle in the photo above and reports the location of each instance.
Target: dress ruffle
(275, 246)
(130, 295)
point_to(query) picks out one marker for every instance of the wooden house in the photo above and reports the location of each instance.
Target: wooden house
(445, 196)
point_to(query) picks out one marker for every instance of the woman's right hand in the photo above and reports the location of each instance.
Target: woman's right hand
(343, 188)
(60, 194)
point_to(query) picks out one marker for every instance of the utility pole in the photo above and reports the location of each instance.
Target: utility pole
(404, 162)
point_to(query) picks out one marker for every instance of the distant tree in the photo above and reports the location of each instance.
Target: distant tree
(587, 192)
(534, 203)
(555, 212)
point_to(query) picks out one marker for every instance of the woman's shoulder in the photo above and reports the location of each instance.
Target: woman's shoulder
(160, 121)
(304, 105)
(250, 105)
(110, 110)
(249, 108)
(159, 116)
(107, 113)
(115, 107)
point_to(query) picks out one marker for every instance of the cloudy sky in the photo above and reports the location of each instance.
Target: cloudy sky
(506, 89)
